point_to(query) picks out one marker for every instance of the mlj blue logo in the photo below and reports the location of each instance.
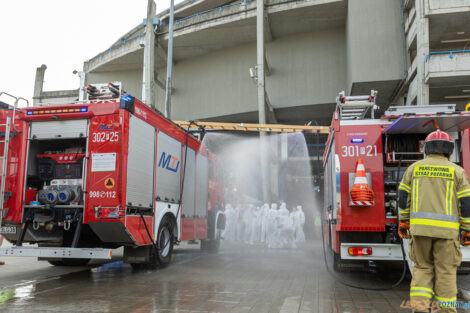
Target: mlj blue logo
(169, 162)
(105, 127)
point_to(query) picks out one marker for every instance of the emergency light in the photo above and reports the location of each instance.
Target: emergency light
(55, 111)
(127, 103)
(357, 140)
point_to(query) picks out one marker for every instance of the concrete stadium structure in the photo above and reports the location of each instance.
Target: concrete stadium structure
(411, 51)
(414, 52)
(314, 49)
(437, 43)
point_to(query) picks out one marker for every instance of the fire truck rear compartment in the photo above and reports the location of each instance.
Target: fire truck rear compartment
(54, 159)
(54, 185)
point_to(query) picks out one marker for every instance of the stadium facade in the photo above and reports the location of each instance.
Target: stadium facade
(411, 51)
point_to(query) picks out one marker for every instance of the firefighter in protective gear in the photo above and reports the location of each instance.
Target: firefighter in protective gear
(434, 205)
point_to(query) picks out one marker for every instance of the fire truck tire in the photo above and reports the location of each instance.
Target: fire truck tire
(165, 242)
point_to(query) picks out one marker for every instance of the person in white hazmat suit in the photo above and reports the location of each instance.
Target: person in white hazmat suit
(237, 225)
(298, 221)
(264, 221)
(229, 232)
(286, 228)
(299, 229)
(271, 229)
(247, 221)
(283, 209)
(255, 225)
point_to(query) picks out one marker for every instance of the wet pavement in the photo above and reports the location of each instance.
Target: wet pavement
(237, 279)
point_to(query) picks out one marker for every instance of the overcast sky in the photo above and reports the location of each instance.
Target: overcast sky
(61, 34)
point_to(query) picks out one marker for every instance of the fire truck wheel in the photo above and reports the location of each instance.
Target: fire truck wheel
(165, 242)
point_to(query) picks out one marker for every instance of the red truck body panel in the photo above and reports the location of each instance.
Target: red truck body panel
(108, 133)
(360, 218)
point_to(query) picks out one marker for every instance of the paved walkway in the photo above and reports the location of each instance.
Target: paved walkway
(238, 279)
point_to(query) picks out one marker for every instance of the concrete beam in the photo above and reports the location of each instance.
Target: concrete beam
(38, 84)
(436, 7)
(260, 57)
(162, 52)
(270, 114)
(268, 33)
(148, 73)
(59, 94)
(110, 55)
(422, 39)
(161, 83)
(237, 13)
(267, 68)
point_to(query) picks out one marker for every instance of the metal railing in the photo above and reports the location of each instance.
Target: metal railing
(219, 8)
(451, 53)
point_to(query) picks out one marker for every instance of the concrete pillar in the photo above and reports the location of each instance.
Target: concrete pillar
(149, 57)
(38, 84)
(422, 40)
(264, 161)
(260, 61)
(83, 84)
(169, 62)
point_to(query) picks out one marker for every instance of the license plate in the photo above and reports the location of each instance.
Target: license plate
(8, 230)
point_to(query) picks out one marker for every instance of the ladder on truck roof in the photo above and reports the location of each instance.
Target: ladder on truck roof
(249, 127)
(356, 107)
(10, 121)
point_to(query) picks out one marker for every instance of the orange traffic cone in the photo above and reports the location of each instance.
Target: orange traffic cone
(361, 194)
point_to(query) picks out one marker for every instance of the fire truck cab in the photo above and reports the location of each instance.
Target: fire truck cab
(82, 179)
(367, 230)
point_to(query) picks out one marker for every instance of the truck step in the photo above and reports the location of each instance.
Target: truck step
(57, 252)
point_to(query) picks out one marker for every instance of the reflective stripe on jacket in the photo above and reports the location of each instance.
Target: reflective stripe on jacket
(429, 197)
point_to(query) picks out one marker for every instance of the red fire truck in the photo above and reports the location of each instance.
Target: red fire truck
(367, 230)
(82, 179)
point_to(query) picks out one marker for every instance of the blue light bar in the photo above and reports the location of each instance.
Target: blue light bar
(357, 140)
(83, 109)
(127, 97)
(29, 113)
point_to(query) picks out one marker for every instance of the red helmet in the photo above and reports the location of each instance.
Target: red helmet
(439, 142)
